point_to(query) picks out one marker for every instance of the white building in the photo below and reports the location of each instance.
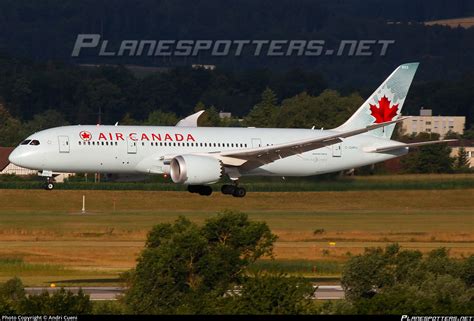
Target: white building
(426, 122)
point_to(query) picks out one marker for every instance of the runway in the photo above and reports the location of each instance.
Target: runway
(324, 292)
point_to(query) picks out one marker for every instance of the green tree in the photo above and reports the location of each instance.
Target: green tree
(161, 118)
(452, 135)
(462, 160)
(469, 133)
(185, 268)
(327, 110)
(47, 119)
(60, 302)
(435, 295)
(208, 119)
(12, 293)
(11, 129)
(265, 113)
(395, 281)
(467, 273)
(129, 120)
(273, 294)
(428, 159)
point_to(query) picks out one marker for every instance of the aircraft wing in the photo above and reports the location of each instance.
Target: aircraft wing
(255, 157)
(384, 149)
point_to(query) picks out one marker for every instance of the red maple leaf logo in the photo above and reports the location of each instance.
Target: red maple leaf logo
(85, 135)
(384, 112)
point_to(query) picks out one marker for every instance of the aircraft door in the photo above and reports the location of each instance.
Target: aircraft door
(256, 142)
(63, 144)
(131, 146)
(337, 150)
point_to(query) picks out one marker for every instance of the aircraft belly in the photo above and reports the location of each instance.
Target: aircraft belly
(95, 163)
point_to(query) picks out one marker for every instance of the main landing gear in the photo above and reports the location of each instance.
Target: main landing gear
(200, 189)
(206, 190)
(233, 190)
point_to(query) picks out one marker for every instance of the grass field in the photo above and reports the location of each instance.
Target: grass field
(272, 184)
(44, 237)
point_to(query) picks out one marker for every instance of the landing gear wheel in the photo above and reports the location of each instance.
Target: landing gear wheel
(205, 191)
(193, 189)
(200, 189)
(239, 192)
(48, 186)
(227, 189)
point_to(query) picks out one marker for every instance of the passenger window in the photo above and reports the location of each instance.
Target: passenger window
(116, 143)
(79, 143)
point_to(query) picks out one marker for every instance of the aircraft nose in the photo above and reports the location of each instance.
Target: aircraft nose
(20, 158)
(14, 157)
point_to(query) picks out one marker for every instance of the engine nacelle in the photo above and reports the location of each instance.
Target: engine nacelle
(195, 170)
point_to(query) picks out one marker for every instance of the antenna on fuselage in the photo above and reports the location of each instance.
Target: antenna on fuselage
(116, 124)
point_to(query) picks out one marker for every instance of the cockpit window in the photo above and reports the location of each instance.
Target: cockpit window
(25, 142)
(35, 142)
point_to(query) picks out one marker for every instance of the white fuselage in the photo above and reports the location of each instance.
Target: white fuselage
(147, 149)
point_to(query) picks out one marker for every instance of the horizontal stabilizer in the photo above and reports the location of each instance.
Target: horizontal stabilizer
(383, 149)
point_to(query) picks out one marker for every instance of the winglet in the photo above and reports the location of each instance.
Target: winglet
(191, 120)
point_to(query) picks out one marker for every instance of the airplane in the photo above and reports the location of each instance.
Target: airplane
(201, 156)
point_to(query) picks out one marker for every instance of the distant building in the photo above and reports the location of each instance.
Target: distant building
(426, 122)
(223, 114)
(470, 153)
(207, 67)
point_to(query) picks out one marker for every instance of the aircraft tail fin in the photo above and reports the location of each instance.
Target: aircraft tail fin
(385, 104)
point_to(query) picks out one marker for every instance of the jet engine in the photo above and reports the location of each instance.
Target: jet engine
(195, 170)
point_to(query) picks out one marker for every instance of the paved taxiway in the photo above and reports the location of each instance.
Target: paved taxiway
(324, 292)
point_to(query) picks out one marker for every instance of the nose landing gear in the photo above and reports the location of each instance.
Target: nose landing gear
(49, 184)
